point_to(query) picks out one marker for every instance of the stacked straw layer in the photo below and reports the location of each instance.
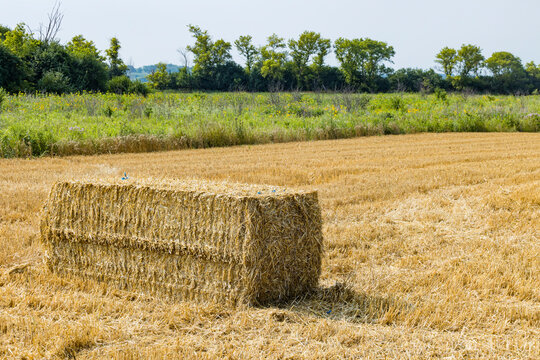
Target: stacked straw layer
(187, 240)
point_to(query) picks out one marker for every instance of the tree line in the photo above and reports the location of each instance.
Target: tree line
(299, 64)
(29, 63)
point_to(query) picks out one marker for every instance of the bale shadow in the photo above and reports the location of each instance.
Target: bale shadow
(340, 302)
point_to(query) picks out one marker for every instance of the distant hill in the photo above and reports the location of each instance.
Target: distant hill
(140, 73)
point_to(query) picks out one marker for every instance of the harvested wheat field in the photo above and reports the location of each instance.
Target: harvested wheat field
(431, 250)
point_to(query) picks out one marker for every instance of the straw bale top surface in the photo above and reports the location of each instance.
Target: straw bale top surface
(197, 185)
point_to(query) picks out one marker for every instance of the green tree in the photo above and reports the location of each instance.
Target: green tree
(11, 70)
(378, 52)
(362, 61)
(159, 78)
(532, 69)
(221, 52)
(20, 41)
(351, 58)
(88, 73)
(79, 46)
(273, 57)
(533, 73)
(470, 60)
(88, 69)
(324, 46)
(500, 63)
(116, 65)
(247, 50)
(3, 31)
(229, 76)
(447, 58)
(208, 55)
(331, 78)
(50, 58)
(509, 75)
(202, 49)
(309, 47)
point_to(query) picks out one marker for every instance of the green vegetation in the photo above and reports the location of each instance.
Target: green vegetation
(41, 64)
(31, 63)
(35, 125)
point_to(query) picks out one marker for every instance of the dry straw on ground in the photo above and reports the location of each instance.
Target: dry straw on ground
(435, 237)
(189, 240)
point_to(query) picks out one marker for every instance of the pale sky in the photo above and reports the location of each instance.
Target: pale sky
(152, 31)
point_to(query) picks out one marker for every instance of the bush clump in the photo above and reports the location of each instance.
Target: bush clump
(54, 82)
(123, 85)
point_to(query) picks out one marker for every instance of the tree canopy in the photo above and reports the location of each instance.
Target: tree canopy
(363, 60)
(42, 63)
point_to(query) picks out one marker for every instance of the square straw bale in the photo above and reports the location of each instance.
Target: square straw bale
(186, 240)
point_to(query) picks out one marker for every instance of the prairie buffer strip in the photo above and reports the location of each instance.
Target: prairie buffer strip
(91, 124)
(447, 224)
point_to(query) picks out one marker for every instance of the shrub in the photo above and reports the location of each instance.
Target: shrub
(441, 94)
(54, 82)
(123, 85)
(12, 71)
(119, 85)
(140, 88)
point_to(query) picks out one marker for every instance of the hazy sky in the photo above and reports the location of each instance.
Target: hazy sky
(152, 31)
